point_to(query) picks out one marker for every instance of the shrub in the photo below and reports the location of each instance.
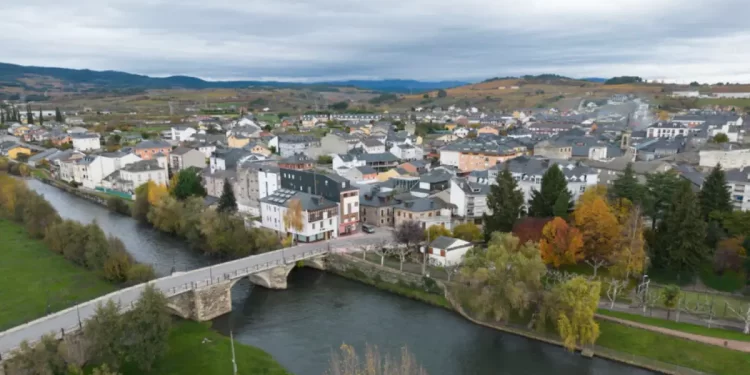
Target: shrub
(117, 204)
(140, 273)
(430, 286)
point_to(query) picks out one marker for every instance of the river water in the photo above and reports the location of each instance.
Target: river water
(318, 312)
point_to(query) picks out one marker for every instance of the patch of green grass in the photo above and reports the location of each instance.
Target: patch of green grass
(719, 302)
(188, 354)
(34, 281)
(402, 289)
(672, 350)
(729, 281)
(683, 327)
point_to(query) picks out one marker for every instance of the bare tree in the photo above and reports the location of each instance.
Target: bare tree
(701, 307)
(382, 250)
(596, 263)
(402, 251)
(347, 362)
(408, 233)
(613, 289)
(743, 314)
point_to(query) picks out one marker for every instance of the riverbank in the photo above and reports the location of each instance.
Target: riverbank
(626, 344)
(51, 283)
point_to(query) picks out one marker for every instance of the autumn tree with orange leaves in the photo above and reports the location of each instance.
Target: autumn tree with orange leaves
(560, 243)
(599, 227)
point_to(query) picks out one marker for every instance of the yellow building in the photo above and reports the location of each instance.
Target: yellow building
(450, 126)
(385, 176)
(258, 148)
(16, 150)
(238, 141)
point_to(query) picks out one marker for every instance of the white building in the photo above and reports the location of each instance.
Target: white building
(729, 156)
(85, 141)
(269, 180)
(371, 146)
(686, 94)
(461, 132)
(320, 219)
(103, 165)
(665, 129)
(136, 174)
(342, 163)
(445, 251)
(470, 199)
(738, 183)
(449, 157)
(407, 151)
(182, 133)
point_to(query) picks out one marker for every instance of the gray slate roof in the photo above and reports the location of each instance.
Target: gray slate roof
(281, 197)
(448, 243)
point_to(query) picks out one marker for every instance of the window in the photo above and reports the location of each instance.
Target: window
(313, 225)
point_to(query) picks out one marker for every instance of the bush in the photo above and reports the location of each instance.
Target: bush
(728, 281)
(430, 286)
(140, 273)
(117, 204)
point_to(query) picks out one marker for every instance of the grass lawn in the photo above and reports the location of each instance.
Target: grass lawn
(188, 355)
(719, 302)
(35, 281)
(684, 327)
(663, 348)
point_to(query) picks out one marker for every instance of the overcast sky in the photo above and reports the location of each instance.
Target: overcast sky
(308, 40)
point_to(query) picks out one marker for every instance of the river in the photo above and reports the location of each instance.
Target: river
(300, 326)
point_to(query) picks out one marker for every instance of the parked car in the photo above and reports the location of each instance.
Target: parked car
(367, 228)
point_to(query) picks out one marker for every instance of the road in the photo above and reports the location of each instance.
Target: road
(71, 319)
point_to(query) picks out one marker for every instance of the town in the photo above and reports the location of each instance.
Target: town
(626, 197)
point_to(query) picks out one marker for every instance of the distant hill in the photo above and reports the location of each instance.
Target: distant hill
(40, 79)
(595, 79)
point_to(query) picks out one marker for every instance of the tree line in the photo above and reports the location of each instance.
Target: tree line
(181, 211)
(84, 245)
(113, 338)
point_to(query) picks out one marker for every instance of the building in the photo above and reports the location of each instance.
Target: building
(447, 251)
(480, 154)
(14, 150)
(426, 211)
(362, 175)
(610, 171)
(255, 181)
(528, 171)
(228, 159)
(738, 183)
(730, 156)
(85, 141)
(376, 207)
(182, 133)
(297, 161)
(407, 151)
(470, 199)
(665, 129)
(136, 174)
(686, 94)
(334, 188)
(320, 218)
(97, 167)
(238, 141)
(148, 150)
(371, 146)
(290, 144)
(184, 157)
(45, 155)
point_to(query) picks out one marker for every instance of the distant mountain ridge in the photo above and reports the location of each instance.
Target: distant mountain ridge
(12, 75)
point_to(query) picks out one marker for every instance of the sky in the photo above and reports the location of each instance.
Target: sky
(315, 40)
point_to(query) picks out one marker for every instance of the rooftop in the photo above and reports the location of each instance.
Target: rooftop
(282, 197)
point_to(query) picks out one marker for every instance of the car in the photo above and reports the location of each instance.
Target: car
(368, 228)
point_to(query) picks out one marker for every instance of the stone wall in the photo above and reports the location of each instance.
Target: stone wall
(347, 264)
(205, 303)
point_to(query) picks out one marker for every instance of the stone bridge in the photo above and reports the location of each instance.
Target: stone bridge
(200, 294)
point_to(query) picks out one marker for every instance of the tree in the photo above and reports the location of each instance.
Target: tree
(683, 233)
(348, 362)
(156, 192)
(117, 204)
(38, 215)
(325, 159)
(41, 117)
(629, 257)
(118, 262)
(468, 232)
(165, 214)
(729, 254)
(560, 243)
(504, 279)
(435, 231)
(627, 186)
(562, 205)
(104, 334)
(227, 201)
(576, 302)
(141, 205)
(554, 184)
(29, 115)
(408, 233)
(660, 189)
(58, 115)
(293, 218)
(441, 93)
(188, 183)
(505, 201)
(43, 358)
(530, 228)
(670, 296)
(140, 273)
(714, 195)
(599, 227)
(147, 328)
(721, 138)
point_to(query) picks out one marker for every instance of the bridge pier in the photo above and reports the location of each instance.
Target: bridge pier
(274, 278)
(204, 303)
(319, 263)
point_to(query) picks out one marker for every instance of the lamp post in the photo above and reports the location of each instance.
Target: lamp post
(644, 284)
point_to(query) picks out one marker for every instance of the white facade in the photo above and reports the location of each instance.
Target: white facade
(372, 149)
(182, 134)
(86, 143)
(449, 157)
(341, 166)
(207, 150)
(732, 132)
(268, 182)
(576, 186)
(468, 205)
(407, 152)
(729, 159)
(461, 132)
(103, 166)
(598, 153)
(686, 94)
(272, 217)
(443, 257)
(138, 178)
(740, 193)
(667, 131)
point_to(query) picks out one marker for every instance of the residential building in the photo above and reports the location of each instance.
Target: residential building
(297, 161)
(258, 148)
(362, 175)
(730, 156)
(182, 133)
(738, 183)
(657, 148)
(255, 181)
(447, 251)
(85, 141)
(371, 146)
(136, 174)
(470, 199)
(238, 141)
(183, 157)
(228, 158)
(551, 128)
(480, 154)
(334, 188)
(426, 211)
(97, 167)
(337, 143)
(406, 151)
(610, 171)
(290, 144)
(528, 171)
(665, 129)
(376, 207)
(148, 150)
(320, 217)
(13, 150)
(42, 156)
(487, 129)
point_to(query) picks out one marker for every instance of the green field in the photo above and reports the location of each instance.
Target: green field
(672, 350)
(35, 281)
(189, 355)
(683, 327)
(720, 302)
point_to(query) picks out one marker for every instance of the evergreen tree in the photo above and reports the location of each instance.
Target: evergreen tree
(505, 201)
(227, 202)
(58, 115)
(684, 232)
(29, 115)
(562, 204)
(554, 184)
(41, 116)
(714, 196)
(2, 117)
(627, 186)
(660, 188)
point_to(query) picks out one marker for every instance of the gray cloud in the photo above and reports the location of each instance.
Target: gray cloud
(421, 39)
